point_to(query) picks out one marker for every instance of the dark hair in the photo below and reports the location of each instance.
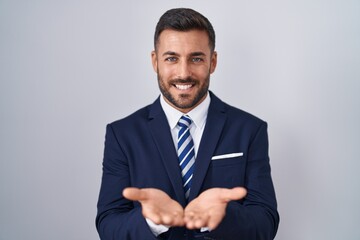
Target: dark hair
(184, 19)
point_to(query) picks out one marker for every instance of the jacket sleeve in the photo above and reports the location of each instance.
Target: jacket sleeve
(118, 218)
(255, 217)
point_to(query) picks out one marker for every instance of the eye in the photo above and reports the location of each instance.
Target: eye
(196, 59)
(171, 59)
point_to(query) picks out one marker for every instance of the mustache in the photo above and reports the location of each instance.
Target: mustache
(188, 80)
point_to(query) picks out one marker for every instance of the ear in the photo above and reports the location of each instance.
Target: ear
(213, 62)
(154, 60)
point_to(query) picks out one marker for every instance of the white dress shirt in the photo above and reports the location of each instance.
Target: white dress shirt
(198, 116)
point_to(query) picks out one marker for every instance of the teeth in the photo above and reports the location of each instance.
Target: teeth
(183, 87)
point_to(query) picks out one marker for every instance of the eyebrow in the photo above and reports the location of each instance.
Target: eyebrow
(197, 54)
(171, 53)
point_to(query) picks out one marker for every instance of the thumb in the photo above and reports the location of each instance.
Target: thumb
(135, 194)
(236, 193)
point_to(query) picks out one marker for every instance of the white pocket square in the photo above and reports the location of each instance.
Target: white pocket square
(230, 155)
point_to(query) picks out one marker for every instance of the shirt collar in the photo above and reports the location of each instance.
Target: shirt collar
(198, 115)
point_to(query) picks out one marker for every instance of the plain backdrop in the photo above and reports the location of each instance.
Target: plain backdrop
(67, 68)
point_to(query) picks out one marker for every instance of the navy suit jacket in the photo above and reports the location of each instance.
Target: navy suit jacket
(140, 152)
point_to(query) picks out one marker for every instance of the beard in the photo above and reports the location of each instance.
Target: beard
(184, 101)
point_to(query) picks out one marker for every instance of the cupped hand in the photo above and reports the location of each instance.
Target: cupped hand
(208, 209)
(157, 206)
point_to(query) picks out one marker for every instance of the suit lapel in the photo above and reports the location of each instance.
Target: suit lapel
(160, 130)
(214, 124)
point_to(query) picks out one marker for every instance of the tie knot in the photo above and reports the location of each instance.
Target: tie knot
(184, 121)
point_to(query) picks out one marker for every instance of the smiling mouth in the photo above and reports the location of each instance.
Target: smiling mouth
(183, 87)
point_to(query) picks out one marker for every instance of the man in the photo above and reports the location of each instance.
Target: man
(187, 166)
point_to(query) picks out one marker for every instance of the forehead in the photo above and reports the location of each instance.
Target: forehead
(182, 42)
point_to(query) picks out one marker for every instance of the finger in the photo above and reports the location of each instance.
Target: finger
(215, 219)
(196, 220)
(175, 219)
(152, 214)
(188, 215)
(213, 223)
(190, 224)
(202, 221)
(189, 219)
(135, 194)
(167, 219)
(233, 194)
(178, 218)
(154, 217)
(178, 221)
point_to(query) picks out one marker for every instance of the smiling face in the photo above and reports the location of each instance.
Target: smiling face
(183, 62)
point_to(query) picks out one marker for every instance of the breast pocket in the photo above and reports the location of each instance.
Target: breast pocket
(226, 173)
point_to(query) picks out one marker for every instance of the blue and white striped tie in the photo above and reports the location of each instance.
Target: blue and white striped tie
(186, 153)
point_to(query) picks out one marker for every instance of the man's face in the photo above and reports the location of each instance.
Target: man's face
(183, 62)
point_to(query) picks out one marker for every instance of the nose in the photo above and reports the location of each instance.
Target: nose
(184, 70)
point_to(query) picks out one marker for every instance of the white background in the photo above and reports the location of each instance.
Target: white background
(67, 68)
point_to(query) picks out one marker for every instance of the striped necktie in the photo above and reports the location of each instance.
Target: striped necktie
(186, 153)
